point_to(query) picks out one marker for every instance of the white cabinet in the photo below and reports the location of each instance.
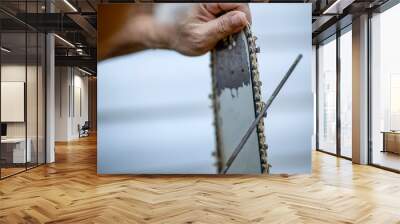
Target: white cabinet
(19, 155)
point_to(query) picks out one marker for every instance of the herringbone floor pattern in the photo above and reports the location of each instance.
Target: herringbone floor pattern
(70, 191)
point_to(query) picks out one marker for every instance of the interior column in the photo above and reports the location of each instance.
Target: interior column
(360, 90)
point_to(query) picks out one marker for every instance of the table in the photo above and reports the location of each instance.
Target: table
(13, 150)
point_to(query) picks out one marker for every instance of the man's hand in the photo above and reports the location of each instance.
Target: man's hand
(207, 23)
(194, 33)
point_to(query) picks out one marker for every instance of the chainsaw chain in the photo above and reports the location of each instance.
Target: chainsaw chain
(258, 104)
(215, 106)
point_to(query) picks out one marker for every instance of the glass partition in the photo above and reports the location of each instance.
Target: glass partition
(22, 77)
(14, 153)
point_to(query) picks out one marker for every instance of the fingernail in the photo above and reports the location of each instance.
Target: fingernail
(237, 19)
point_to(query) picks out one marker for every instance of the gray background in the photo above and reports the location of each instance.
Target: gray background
(154, 114)
(284, 31)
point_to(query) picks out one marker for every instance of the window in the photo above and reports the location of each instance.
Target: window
(385, 89)
(346, 74)
(327, 96)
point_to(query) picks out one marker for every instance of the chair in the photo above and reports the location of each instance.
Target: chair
(84, 130)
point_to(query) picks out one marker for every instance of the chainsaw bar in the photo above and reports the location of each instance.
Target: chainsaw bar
(236, 96)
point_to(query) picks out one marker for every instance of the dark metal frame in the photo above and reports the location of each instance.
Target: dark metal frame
(0, 91)
(369, 96)
(338, 97)
(316, 97)
(45, 89)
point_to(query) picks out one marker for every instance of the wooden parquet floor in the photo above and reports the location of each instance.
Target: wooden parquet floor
(70, 191)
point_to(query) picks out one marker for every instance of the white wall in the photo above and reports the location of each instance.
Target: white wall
(33, 127)
(81, 82)
(69, 81)
(62, 81)
(12, 73)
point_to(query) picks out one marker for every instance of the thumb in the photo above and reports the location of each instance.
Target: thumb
(227, 24)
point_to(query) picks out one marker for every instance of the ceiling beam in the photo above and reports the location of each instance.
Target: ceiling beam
(338, 6)
(86, 27)
(77, 61)
(49, 22)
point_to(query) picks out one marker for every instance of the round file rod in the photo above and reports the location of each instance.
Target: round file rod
(261, 114)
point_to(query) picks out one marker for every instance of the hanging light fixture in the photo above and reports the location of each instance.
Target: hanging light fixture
(70, 5)
(5, 50)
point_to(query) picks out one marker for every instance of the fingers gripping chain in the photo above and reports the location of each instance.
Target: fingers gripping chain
(222, 25)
